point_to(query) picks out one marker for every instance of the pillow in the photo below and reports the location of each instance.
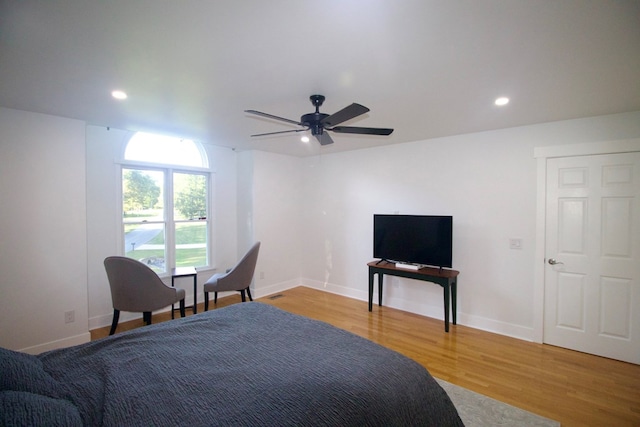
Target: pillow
(24, 372)
(19, 408)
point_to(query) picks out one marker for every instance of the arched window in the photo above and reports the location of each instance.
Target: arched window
(165, 202)
(151, 148)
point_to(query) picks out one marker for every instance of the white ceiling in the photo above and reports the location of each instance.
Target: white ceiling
(428, 68)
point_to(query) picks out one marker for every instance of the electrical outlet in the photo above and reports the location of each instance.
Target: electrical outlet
(69, 316)
(515, 243)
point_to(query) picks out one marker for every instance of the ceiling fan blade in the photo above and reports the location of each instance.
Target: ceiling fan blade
(282, 131)
(363, 131)
(324, 138)
(347, 113)
(271, 116)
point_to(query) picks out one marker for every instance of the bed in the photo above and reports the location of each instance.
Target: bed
(247, 364)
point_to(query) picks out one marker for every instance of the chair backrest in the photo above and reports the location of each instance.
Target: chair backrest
(242, 273)
(135, 287)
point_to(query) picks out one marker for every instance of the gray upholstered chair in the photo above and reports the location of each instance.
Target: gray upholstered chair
(137, 288)
(236, 279)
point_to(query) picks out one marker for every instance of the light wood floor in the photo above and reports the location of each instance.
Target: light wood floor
(574, 388)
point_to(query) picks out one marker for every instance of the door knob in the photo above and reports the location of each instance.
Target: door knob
(552, 261)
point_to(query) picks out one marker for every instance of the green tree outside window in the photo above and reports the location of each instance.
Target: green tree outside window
(140, 191)
(190, 196)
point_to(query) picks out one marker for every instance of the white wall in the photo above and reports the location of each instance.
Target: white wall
(43, 242)
(244, 209)
(277, 221)
(487, 181)
(269, 209)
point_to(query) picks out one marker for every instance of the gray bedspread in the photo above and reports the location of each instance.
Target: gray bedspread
(247, 364)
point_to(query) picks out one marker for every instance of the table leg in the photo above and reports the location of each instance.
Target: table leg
(380, 289)
(371, 273)
(446, 307)
(454, 298)
(195, 294)
(172, 314)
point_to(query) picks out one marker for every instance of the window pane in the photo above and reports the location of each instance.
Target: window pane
(148, 147)
(191, 244)
(142, 195)
(145, 242)
(189, 196)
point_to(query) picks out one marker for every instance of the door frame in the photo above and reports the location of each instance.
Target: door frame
(542, 154)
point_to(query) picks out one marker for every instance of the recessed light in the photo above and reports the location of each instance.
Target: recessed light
(502, 101)
(304, 138)
(119, 94)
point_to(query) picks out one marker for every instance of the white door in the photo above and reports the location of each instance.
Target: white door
(592, 255)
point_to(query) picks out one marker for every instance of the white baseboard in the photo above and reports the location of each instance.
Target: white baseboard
(275, 288)
(434, 311)
(502, 328)
(61, 343)
(422, 308)
(335, 289)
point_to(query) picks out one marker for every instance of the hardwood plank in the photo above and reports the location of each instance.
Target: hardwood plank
(574, 388)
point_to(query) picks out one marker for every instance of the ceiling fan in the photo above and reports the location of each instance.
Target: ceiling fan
(319, 123)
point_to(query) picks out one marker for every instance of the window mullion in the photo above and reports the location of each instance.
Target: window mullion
(170, 248)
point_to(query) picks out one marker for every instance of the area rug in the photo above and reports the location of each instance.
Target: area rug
(477, 410)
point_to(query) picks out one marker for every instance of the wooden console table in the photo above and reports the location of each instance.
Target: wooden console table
(448, 279)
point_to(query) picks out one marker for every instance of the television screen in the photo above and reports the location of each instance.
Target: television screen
(414, 239)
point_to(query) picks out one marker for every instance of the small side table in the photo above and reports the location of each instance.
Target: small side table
(186, 272)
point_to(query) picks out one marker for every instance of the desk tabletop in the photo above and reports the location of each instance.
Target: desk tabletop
(183, 271)
(427, 271)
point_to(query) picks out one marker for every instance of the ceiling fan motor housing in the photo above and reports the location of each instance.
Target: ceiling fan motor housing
(313, 121)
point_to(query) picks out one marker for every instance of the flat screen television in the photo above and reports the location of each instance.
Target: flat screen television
(413, 239)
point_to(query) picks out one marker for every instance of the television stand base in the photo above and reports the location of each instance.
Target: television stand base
(407, 266)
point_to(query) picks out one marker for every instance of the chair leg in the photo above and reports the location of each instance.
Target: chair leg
(244, 299)
(181, 308)
(249, 294)
(206, 301)
(114, 323)
(215, 297)
(146, 317)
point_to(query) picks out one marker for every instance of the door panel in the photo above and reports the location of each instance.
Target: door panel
(572, 227)
(592, 292)
(615, 307)
(570, 301)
